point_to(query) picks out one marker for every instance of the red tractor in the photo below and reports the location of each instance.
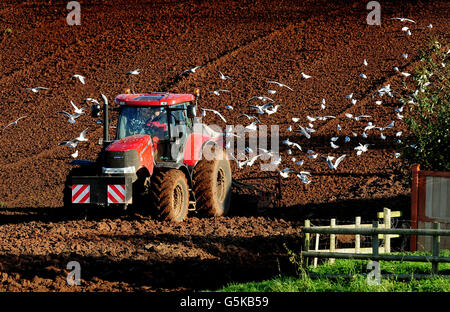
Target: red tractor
(162, 159)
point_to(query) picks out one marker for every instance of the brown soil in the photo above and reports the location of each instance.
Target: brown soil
(252, 43)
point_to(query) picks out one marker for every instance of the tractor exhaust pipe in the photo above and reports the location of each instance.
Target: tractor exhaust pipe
(105, 120)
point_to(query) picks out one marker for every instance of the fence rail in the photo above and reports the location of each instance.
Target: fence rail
(435, 259)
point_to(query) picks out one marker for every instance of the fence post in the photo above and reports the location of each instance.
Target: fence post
(414, 205)
(332, 239)
(306, 242)
(375, 242)
(387, 225)
(436, 247)
(357, 236)
(316, 248)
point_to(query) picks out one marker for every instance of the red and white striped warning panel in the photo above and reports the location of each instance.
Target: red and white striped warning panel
(81, 193)
(116, 194)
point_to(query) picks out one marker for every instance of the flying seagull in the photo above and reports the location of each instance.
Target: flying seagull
(217, 92)
(223, 77)
(71, 117)
(74, 142)
(191, 70)
(280, 84)
(14, 122)
(305, 76)
(329, 161)
(134, 72)
(36, 89)
(402, 19)
(78, 110)
(215, 112)
(80, 78)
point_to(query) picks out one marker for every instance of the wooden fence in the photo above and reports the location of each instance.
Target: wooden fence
(375, 231)
(386, 216)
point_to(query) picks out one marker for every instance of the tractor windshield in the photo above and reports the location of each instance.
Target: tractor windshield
(151, 120)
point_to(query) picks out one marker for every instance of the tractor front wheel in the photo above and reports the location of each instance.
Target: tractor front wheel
(169, 195)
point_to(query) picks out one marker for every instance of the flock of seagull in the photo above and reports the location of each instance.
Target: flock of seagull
(267, 107)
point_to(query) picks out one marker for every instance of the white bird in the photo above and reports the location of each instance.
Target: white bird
(334, 145)
(36, 89)
(285, 172)
(261, 109)
(405, 28)
(80, 78)
(304, 132)
(430, 26)
(289, 129)
(191, 70)
(249, 117)
(134, 72)
(399, 116)
(379, 102)
(78, 110)
(346, 139)
(402, 19)
(399, 134)
(382, 136)
(229, 107)
(218, 92)
(409, 32)
(271, 91)
(300, 162)
(215, 112)
(365, 62)
(262, 98)
(334, 139)
(303, 177)
(305, 76)
(294, 119)
(289, 143)
(405, 55)
(14, 122)
(71, 117)
(361, 148)
(251, 127)
(74, 155)
(338, 127)
(74, 142)
(363, 76)
(405, 74)
(329, 161)
(354, 101)
(364, 135)
(322, 105)
(313, 156)
(280, 85)
(273, 110)
(91, 100)
(223, 77)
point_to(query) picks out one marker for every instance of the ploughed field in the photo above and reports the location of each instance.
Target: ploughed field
(251, 42)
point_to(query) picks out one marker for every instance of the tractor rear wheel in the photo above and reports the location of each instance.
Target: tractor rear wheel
(212, 185)
(169, 195)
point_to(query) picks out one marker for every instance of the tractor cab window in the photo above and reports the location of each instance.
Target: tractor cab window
(151, 120)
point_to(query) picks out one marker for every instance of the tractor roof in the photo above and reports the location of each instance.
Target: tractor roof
(153, 99)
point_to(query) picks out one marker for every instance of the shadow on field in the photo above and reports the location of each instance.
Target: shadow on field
(160, 267)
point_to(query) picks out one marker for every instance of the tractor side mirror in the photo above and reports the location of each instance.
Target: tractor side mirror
(95, 110)
(191, 111)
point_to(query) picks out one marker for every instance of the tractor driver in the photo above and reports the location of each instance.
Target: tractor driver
(157, 122)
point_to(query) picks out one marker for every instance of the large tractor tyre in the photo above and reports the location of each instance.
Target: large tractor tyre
(212, 185)
(169, 195)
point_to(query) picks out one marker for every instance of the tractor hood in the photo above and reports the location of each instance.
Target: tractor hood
(135, 150)
(137, 142)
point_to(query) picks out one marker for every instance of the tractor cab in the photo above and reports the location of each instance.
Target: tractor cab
(166, 118)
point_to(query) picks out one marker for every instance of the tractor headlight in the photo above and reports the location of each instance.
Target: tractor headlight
(124, 170)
